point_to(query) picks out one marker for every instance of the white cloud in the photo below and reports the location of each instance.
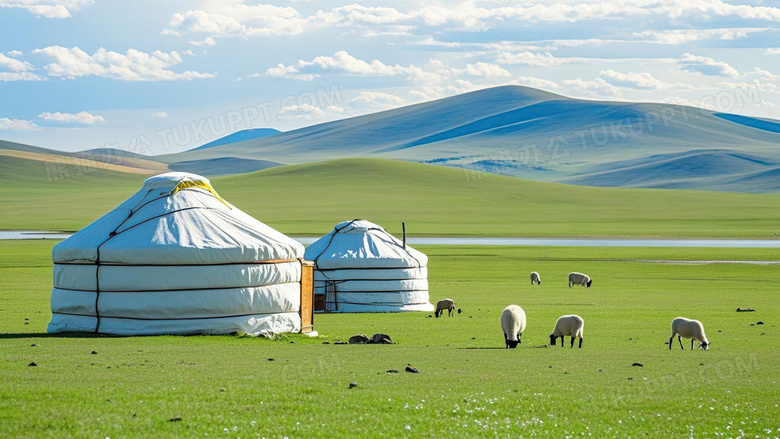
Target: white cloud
(540, 83)
(7, 124)
(459, 86)
(48, 8)
(545, 59)
(235, 18)
(772, 51)
(82, 117)
(238, 19)
(160, 115)
(641, 81)
(486, 70)
(371, 102)
(468, 16)
(687, 35)
(707, 66)
(763, 74)
(343, 62)
(208, 41)
(19, 70)
(598, 88)
(132, 66)
(14, 65)
(15, 53)
(358, 14)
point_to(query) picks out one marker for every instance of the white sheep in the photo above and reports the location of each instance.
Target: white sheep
(443, 304)
(579, 279)
(535, 278)
(572, 325)
(693, 329)
(513, 325)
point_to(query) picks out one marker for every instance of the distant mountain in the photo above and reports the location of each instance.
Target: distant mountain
(221, 166)
(240, 136)
(726, 170)
(83, 162)
(533, 134)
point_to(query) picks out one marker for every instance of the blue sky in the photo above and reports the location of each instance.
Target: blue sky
(164, 76)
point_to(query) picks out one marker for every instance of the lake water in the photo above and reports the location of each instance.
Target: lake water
(547, 242)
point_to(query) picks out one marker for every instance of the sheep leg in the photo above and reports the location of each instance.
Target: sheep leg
(679, 338)
(572, 342)
(580, 346)
(692, 343)
(563, 339)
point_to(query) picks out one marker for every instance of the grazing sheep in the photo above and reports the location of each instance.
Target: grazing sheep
(535, 278)
(447, 304)
(579, 279)
(513, 324)
(572, 325)
(693, 329)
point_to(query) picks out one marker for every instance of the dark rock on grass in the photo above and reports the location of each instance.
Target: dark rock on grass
(340, 342)
(745, 310)
(380, 339)
(33, 345)
(352, 385)
(93, 353)
(638, 364)
(429, 316)
(271, 359)
(759, 323)
(392, 371)
(325, 342)
(176, 419)
(411, 369)
(32, 364)
(358, 339)
(460, 310)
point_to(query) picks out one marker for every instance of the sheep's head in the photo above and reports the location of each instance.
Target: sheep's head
(590, 281)
(552, 339)
(705, 345)
(511, 344)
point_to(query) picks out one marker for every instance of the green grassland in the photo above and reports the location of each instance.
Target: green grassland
(432, 200)
(225, 386)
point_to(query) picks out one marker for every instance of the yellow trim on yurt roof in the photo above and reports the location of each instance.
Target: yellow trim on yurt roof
(199, 184)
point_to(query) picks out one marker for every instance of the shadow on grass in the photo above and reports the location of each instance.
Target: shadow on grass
(23, 335)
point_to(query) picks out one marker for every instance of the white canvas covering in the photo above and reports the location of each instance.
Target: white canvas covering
(360, 267)
(176, 258)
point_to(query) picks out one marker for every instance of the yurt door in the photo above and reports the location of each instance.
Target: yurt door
(331, 302)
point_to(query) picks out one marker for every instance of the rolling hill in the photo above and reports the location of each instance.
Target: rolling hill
(528, 133)
(240, 136)
(309, 199)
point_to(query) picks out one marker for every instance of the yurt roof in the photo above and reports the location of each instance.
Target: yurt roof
(176, 219)
(362, 244)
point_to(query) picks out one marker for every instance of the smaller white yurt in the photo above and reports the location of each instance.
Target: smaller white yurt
(176, 258)
(360, 267)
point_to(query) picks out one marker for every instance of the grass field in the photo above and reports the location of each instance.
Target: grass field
(432, 200)
(225, 386)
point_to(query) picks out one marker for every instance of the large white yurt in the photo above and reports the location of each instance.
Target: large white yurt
(176, 258)
(360, 267)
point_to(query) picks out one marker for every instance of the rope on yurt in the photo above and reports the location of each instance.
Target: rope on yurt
(114, 233)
